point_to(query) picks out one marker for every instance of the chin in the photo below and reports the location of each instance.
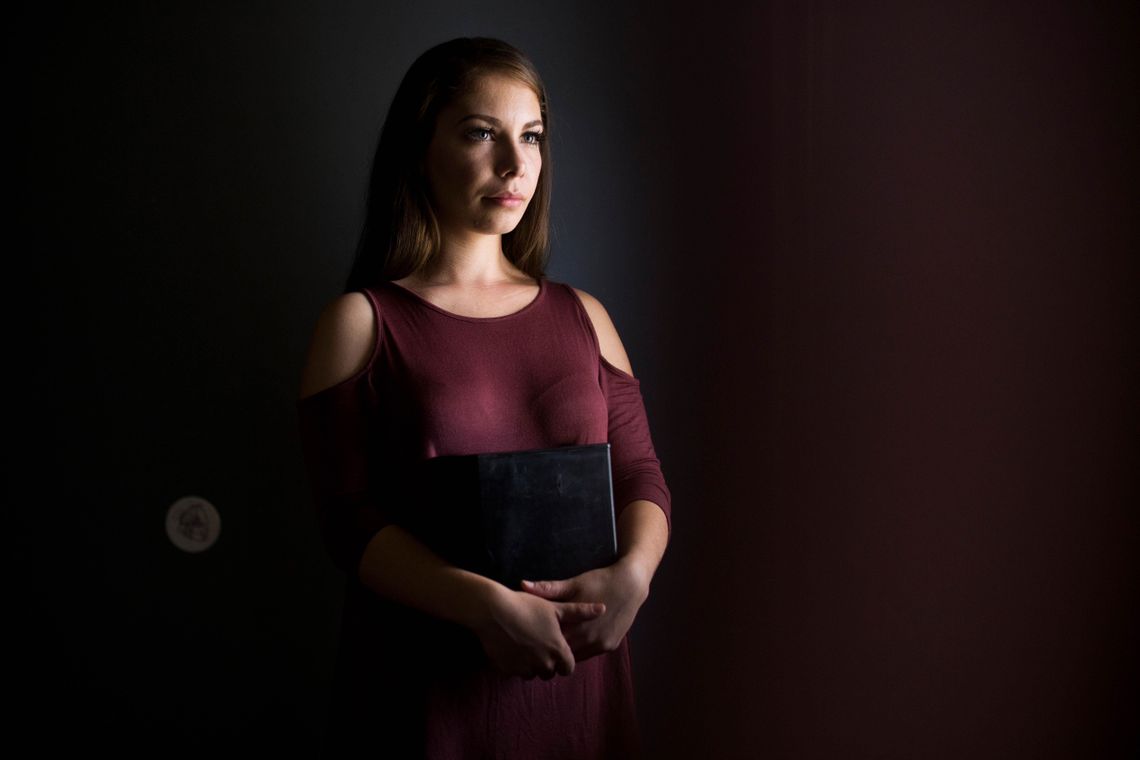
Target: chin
(503, 230)
(497, 226)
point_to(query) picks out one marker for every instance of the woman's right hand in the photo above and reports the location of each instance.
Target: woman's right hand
(522, 633)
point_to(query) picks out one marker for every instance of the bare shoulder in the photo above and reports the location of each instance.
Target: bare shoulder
(608, 341)
(341, 345)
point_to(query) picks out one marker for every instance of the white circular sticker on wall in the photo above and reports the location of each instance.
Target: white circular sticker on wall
(193, 524)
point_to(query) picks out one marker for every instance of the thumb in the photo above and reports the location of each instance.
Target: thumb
(549, 589)
(572, 612)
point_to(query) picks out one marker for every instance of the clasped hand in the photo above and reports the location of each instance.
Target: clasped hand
(551, 624)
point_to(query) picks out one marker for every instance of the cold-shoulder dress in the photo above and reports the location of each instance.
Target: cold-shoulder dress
(408, 685)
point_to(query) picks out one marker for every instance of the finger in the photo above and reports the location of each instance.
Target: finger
(569, 612)
(561, 662)
(565, 663)
(581, 637)
(549, 589)
(582, 640)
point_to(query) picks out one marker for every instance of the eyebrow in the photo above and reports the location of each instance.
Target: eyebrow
(493, 120)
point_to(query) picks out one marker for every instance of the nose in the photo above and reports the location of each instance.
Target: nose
(511, 160)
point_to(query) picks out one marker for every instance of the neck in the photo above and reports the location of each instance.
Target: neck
(475, 260)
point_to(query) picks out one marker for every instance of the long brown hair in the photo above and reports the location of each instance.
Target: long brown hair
(401, 232)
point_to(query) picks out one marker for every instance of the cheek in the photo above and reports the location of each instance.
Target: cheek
(444, 180)
(534, 169)
(452, 175)
(462, 168)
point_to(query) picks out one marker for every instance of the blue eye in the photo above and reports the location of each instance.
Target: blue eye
(484, 134)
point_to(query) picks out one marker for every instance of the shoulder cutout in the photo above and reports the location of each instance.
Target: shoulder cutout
(342, 343)
(608, 341)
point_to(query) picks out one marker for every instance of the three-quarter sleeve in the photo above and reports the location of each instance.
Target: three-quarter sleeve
(636, 468)
(336, 441)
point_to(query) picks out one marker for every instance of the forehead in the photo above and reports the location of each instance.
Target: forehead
(500, 96)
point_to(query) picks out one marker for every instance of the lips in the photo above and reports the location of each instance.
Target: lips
(507, 200)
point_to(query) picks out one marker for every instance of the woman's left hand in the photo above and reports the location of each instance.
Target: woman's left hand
(623, 588)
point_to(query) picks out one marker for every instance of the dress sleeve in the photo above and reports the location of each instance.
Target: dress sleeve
(336, 440)
(636, 468)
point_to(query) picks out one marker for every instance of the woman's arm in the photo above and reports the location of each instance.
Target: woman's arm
(643, 524)
(520, 632)
(623, 586)
(643, 533)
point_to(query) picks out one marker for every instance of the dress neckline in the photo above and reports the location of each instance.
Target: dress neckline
(541, 281)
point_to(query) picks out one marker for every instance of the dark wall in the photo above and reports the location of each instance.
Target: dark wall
(873, 265)
(906, 525)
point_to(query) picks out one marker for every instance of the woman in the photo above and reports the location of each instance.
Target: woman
(450, 340)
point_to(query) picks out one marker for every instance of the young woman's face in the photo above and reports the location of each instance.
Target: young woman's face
(483, 161)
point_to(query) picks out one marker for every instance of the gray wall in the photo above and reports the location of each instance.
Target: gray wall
(874, 268)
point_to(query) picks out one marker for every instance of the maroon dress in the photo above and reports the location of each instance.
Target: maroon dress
(409, 685)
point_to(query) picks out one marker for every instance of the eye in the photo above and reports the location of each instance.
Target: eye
(538, 137)
(480, 134)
